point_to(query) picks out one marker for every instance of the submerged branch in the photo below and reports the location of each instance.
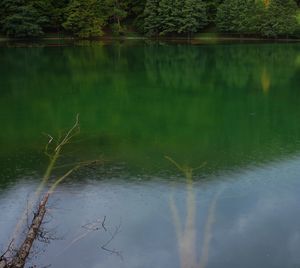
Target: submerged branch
(53, 157)
(106, 244)
(24, 250)
(18, 260)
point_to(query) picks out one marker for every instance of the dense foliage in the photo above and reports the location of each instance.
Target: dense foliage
(93, 18)
(20, 18)
(269, 18)
(85, 18)
(174, 16)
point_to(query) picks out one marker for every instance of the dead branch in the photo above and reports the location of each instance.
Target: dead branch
(89, 227)
(70, 134)
(106, 244)
(7, 250)
(103, 224)
(3, 258)
(19, 259)
(3, 263)
(96, 226)
(24, 250)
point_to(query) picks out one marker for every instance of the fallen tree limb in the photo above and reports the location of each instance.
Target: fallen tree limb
(24, 250)
(18, 259)
(3, 263)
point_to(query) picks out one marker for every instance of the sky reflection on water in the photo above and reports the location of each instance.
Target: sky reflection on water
(256, 219)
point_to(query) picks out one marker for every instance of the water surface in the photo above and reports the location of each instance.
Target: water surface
(233, 106)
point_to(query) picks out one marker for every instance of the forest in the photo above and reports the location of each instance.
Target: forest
(151, 18)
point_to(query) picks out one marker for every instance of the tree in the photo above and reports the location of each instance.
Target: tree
(194, 17)
(269, 18)
(55, 12)
(163, 17)
(211, 9)
(167, 17)
(152, 20)
(237, 16)
(2, 16)
(86, 18)
(247, 20)
(22, 19)
(279, 18)
(119, 12)
(136, 7)
(135, 13)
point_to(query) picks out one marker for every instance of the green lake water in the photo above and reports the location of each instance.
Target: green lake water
(234, 106)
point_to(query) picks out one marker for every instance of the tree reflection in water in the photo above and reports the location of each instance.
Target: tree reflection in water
(186, 232)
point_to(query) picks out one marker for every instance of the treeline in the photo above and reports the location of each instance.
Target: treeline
(94, 18)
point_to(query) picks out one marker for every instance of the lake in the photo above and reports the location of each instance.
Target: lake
(232, 109)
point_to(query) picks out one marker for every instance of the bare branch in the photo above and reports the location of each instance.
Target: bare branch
(70, 134)
(47, 144)
(35, 228)
(67, 174)
(185, 169)
(90, 227)
(201, 166)
(82, 163)
(94, 226)
(106, 244)
(174, 163)
(9, 248)
(103, 224)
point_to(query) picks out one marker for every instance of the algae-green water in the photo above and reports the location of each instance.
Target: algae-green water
(234, 106)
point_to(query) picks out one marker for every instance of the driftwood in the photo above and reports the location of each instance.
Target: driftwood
(18, 259)
(24, 250)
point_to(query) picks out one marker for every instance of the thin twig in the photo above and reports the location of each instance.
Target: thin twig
(47, 144)
(2, 257)
(103, 224)
(67, 174)
(90, 227)
(70, 134)
(174, 163)
(113, 235)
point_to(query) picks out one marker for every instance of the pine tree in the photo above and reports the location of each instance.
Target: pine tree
(247, 19)
(56, 12)
(136, 7)
(194, 16)
(118, 13)
(238, 16)
(152, 20)
(86, 18)
(174, 16)
(279, 18)
(135, 12)
(269, 18)
(226, 15)
(21, 19)
(168, 22)
(211, 9)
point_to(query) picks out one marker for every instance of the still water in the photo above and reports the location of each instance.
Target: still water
(235, 107)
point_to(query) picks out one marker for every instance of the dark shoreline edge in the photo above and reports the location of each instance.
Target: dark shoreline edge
(205, 39)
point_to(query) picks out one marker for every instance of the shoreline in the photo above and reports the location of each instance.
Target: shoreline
(204, 39)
